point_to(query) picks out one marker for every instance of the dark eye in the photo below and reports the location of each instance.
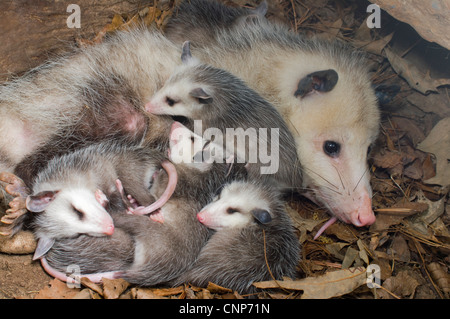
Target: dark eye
(369, 149)
(170, 102)
(331, 148)
(79, 213)
(232, 210)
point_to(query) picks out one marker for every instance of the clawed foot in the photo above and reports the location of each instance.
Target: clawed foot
(14, 186)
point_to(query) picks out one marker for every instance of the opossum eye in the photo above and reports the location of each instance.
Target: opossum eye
(232, 210)
(80, 214)
(170, 102)
(331, 148)
(369, 149)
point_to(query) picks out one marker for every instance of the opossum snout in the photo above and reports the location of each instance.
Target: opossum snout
(153, 108)
(364, 215)
(201, 217)
(109, 229)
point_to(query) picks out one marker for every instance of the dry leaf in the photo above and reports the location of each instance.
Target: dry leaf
(388, 159)
(332, 284)
(402, 285)
(415, 78)
(113, 288)
(57, 290)
(216, 289)
(438, 143)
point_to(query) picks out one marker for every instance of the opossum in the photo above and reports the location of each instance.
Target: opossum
(204, 21)
(322, 89)
(232, 112)
(74, 193)
(254, 239)
(91, 94)
(154, 252)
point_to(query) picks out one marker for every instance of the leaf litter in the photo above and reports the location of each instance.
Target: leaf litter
(410, 240)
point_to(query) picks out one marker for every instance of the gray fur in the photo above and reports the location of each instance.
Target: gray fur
(160, 252)
(229, 103)
(91, 94)
(235, 257)
(204, 19)
(91, 168)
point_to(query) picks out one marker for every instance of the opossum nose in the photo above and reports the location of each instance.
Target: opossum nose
(109, 229)
(201, 217)
(365, 215)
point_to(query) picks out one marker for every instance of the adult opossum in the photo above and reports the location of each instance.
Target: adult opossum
(74, 193)
(94, 93)
(232, 112)
(153, 252)
(322, 89)
(254, 239)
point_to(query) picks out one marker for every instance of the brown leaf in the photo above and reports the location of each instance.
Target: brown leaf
(216, 289)
(438, 143)
(113, 288)
(402, 285)
(57, 290)
(415, 78)
(332, 284)
(389, 159)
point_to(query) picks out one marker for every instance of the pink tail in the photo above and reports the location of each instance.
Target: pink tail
(77, 277)
(172, 183)
(325, 226)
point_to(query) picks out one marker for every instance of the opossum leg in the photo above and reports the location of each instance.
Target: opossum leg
(331, 221)
(171, 184)
(101, 198)
(43, 246)
(127, 199)
(77, 277)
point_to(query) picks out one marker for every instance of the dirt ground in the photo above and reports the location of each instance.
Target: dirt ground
(409, 243)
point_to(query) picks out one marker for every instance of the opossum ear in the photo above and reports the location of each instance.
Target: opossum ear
(261, 215)
(186, 55)
(201, 95)
(320, 81)
(43, 246)
(39, 202)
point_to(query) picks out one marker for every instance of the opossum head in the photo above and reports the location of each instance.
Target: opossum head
(238, 205)
(334, 115)
(190, 148)
(182, 95)
(69, 212)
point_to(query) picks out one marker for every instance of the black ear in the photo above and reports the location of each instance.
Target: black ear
(321, 81)
(186, 52)
(262, 216)
(201, 95)
(39, 202)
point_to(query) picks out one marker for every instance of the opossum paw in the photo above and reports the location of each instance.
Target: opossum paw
(101, 198)
(157, 216)
(14, 185)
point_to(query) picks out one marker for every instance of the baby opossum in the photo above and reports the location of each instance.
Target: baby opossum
(204, 21)
(74, 193)
(323, 91)
(232, 112)
(94, 93)
(153, 252)
(254, 239)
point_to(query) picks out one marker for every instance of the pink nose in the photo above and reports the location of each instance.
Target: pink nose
(109, 230)
(365, 215)
(201, 217)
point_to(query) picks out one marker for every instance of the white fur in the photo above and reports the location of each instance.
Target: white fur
(237, 195)
(60, 220)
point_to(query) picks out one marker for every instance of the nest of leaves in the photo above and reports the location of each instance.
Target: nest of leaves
(405, 254)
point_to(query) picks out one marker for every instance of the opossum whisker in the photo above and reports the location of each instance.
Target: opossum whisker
(310, 170)
(360, 179)
(340, 177)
